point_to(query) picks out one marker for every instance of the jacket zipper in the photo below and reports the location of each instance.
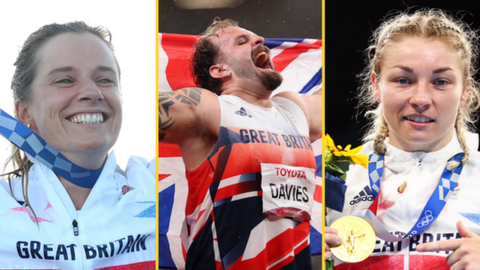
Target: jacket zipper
(80, 247)
(75, 227)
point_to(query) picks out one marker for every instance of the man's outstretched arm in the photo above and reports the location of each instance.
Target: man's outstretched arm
(175, 110)
(189, 118)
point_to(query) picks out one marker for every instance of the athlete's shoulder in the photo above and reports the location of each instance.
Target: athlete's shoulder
(311, 106)
(293, 97)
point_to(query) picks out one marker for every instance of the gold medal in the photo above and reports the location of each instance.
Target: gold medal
(358, 239)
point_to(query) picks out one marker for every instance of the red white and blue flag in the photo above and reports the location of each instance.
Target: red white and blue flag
(300, 63)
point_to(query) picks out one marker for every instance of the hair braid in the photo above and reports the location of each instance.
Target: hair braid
(380, 136)
(461, 129)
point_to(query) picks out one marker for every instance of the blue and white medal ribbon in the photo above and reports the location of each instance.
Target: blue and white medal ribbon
(25, 139)
(375, 173)
(430, 212)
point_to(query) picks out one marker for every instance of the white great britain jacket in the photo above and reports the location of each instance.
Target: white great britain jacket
(398, 212)
(115, 229)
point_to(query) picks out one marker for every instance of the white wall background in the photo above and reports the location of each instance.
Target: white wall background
(133, 28)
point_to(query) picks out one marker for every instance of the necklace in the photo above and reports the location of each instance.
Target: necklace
(25, 139)
(402, 187)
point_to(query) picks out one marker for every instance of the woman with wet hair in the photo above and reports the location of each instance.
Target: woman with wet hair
(422, 179)
(67, 205)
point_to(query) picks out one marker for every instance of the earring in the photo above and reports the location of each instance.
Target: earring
(376, 98)
(463, 102)
(28, 125)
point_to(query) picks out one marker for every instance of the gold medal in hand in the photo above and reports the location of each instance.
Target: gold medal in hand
(358, 239)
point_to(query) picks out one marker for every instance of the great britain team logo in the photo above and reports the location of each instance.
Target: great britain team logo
(126, 189)
(455, 193)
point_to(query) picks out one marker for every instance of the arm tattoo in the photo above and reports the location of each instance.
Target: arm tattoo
(190, 96)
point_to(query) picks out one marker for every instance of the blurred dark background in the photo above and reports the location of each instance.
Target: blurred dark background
(348, 28)
(267, 18)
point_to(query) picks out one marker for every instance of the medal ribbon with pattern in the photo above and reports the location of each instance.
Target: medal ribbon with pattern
(25, 139)
(434, 205)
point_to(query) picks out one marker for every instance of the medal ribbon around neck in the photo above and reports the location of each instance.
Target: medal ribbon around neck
(25, 139)
(435, 204)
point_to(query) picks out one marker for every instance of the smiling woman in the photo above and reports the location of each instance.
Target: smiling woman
(76, 77)
(421, 186)
(421, 89)
(67, 91)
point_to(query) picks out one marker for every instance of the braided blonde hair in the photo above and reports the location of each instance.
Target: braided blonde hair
(425, 23)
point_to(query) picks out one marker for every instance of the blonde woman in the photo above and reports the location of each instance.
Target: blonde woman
(419, 81)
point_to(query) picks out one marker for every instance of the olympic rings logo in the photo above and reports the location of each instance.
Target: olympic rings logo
(426, 219)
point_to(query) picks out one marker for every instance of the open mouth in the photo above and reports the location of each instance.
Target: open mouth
(87, 118)
(419, 119)
(260, 58)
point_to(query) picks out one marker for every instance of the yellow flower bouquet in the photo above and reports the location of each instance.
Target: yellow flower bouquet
(337, 159)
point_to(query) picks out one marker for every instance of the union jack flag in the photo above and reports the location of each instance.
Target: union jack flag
(300, 63)
(126, 189)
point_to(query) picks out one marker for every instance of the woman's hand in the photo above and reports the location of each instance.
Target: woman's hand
(331, 240)
(466, 250)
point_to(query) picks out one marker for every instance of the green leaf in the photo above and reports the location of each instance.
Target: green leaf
(342, 158)
(343, 165)
(328, 265)
(335, 170)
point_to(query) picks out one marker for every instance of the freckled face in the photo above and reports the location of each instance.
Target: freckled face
(420, 90)
(75, 104)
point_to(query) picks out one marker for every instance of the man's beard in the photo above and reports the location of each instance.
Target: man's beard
(271, 79)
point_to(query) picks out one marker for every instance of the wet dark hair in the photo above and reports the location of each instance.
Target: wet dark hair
(206, 54)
